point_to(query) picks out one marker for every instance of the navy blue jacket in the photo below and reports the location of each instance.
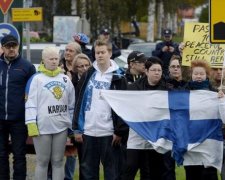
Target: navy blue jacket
(13, 79)
(165, 56)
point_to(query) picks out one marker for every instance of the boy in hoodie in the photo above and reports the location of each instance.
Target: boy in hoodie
(96, 126)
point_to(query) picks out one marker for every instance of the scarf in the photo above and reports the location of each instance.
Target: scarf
(47, 72)
(199, 85)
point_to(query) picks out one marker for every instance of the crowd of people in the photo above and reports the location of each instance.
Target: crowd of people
(63, 100)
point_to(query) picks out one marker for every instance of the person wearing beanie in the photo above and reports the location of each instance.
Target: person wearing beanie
(83, 40)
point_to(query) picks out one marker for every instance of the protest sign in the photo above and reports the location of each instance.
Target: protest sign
(197, 45)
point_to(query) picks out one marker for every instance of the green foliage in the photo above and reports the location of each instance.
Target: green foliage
(177, 38)
(108, 13)
(196, 3)
(144, 18)
(63, 7)
(142, 10)
(36, 40)
(204, 16)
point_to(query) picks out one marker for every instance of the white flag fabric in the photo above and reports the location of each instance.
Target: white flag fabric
(224, 60)
(186, 122)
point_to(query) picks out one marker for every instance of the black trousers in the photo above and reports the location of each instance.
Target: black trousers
(170, 166)
(18, 133)
(136, 159)
(200, 173)
(150, 163)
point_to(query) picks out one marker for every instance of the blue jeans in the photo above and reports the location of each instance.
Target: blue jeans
(94, 150)
(70, 167)
(18, 133)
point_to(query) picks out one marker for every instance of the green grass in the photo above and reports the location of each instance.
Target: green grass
(180, 174)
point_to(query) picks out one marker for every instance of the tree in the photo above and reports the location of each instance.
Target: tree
(151, 21)
(109, 14)
(204, 16)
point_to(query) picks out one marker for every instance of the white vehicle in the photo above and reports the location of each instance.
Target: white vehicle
(36, 50)
(122, 59)
(146, 48)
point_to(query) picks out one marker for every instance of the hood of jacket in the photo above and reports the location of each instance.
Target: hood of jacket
(113, 67)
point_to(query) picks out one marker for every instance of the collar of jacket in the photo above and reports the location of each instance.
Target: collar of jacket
(14, 60)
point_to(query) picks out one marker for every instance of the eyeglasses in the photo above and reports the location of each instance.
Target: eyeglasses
(174, 66)
(155, 70)
(83, 66)
(9, 46)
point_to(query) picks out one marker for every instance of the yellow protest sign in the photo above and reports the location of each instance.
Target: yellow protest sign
(198, 46)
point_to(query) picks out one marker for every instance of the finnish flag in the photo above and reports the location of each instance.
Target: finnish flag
(189, 123)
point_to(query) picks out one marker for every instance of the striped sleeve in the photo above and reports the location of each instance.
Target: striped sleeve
(31, 100)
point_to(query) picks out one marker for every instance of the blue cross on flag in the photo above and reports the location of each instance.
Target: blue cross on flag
(186, 122)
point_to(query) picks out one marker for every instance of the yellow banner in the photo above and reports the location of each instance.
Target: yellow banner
(198, 46)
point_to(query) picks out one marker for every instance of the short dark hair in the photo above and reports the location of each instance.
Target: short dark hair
(175, 57)
(152, 60)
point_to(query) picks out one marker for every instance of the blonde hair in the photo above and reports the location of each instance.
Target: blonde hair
(76, 47)
(80, 56)
(47, 51)
(102, 42)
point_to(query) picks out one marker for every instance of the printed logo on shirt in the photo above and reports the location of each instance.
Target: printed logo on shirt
(56, 88)
(57, 109)
(65, 79)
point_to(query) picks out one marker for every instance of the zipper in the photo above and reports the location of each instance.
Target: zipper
(6, 92)
(1, 78)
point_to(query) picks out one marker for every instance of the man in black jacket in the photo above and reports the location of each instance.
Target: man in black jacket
(14, 74)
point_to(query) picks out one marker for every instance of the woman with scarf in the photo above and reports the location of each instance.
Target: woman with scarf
(49, 111)
(200, 71)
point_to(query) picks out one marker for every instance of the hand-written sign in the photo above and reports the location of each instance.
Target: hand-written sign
(197, 45)
(217, 21)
